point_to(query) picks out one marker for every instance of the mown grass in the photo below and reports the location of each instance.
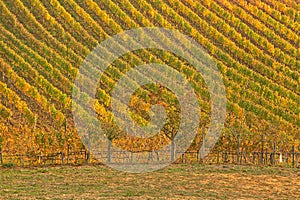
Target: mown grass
(173, 182)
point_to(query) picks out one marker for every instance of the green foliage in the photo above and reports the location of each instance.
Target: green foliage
(254, 44)
(8, 165)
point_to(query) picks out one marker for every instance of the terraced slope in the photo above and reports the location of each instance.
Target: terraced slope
(255, 44)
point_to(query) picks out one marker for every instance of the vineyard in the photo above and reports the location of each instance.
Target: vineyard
(254, 43)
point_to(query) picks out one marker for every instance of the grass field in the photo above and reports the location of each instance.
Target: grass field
(173, 182)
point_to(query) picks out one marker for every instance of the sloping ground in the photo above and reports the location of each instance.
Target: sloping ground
(255, 44)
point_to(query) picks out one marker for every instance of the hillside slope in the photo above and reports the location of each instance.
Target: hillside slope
(255, 44)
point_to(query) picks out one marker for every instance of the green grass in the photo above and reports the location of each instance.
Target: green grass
(173, 182)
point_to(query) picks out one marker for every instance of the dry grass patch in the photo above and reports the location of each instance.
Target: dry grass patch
(173, 182)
